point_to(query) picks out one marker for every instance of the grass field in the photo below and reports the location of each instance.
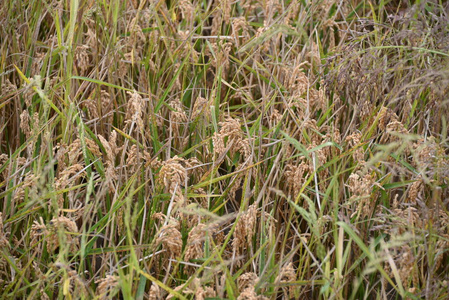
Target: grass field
(187, 149)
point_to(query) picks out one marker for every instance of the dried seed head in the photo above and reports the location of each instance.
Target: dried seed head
(396, 126)
(25, 123)
(134, 158)
(354, 141)
(441, 247)
(318, 98)
(187, 11)
(244, 229)
(314, 54)
(292, 12)
(82, 60)
(275, 117)
(361, 189)
(415, 190)
(200, 108)
(137, 38)
(109, 154)
(235, 187)
(155, 163)
(287, 274)
(67, 175)
(238, 24)
(3, 159)
(195, 242)
(295, 177)
(91, 38)
(92, 110)
(221, 58)
(93, 147)
(425, 152)
(177, 289)
(155, 292)
(107, 287)
(3, 239)
(136, 108)
(65, 223)
(194, 288)
(265, 47)
(177, 116)
(247, 280)
(270, 7)
(226, 9)
(62, 227)
(29, 181)
(112, 150)
(70, 279)
(43, 295)
(173, 174)
(194, 167)
(295, 80)
(314, 132)
(67, 179)
(184, 35)
(405, 218)
(171, 239)
(8, 87)
(36, 66)
(217, 21)
(38, 229)
(73, 152)
(384, 117)
(250, 294)
(231, 130)
(101, 108)
(202, 293)
(404, 259)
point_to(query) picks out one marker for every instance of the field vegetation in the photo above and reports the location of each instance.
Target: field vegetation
(177, 149)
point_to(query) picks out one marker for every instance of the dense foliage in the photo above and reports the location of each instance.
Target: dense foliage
(217, 149)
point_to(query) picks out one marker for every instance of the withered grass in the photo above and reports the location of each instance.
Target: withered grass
(224, 149)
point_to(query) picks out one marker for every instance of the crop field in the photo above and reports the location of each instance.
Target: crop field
(205, 149)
